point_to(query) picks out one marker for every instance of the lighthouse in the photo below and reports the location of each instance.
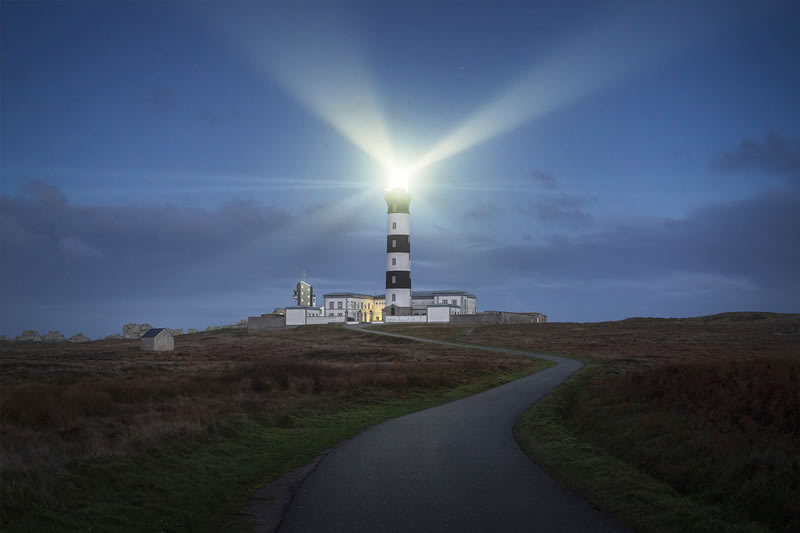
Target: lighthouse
(398, 252)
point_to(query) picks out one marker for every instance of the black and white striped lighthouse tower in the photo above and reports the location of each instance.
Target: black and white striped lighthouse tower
(398, 254)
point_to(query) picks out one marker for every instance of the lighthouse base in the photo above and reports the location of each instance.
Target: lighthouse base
(396, 310)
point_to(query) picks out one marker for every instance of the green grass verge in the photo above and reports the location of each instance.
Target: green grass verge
(198, 482)
(609, 483)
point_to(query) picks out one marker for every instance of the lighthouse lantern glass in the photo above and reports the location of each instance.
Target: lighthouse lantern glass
(398, 178)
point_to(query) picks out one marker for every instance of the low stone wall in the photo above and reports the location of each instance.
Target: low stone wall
(325, 320)
(499, 317)
(263, 322)
(404, 319)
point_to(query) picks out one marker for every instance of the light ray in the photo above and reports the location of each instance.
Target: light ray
(621, 47)
(318, 64)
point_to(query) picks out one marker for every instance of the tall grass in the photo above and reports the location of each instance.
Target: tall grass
(67, 413)
(725, 433)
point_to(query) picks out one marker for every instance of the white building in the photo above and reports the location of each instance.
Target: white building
(465, 302)
(302, 315)
(367, 308)
(355, 306)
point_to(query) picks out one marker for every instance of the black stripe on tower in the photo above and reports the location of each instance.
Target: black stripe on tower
(398, 279)
(398, 244)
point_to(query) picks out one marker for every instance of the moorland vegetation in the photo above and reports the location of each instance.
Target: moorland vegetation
(689, 424)
(104, 435)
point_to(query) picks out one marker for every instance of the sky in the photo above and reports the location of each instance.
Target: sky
(183, 163)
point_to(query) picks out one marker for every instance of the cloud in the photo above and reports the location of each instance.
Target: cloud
(545, 179)
(774, 155)
(54, 251)
(752, 241)
(483, 213)
(560, 209)
(93, 268)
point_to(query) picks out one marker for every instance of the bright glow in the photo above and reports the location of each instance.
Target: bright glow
(398, 178)
(317, 61)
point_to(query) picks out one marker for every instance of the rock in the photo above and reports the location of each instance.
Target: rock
(240, 324)
(114, 336)
(79, 337)
(191, 330)
(135, 331)
(53, 336)
(29, 335)
(174, 332)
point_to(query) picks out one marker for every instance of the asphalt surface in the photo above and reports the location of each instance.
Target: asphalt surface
(456, 467)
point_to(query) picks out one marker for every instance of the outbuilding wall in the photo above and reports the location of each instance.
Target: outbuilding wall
(260, 323)
(439, 314)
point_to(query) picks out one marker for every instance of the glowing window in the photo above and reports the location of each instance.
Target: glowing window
(394, 243)
(394, 279)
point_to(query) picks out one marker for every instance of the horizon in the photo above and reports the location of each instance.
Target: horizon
(182, 164)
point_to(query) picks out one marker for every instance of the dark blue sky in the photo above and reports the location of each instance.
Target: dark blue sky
(182, 163)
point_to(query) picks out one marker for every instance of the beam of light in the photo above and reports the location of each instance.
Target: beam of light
(621, 47)
(313, 57)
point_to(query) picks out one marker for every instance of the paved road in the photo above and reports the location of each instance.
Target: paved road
(455, 467)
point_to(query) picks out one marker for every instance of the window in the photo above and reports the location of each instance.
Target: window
(394, 243)
(394, 279)
(339, 307)
(394, 297)
(454, 300)
(394, 260)
(394, 225)
(330, 306)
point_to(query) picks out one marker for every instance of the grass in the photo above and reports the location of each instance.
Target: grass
(107, 437)
(673, 424)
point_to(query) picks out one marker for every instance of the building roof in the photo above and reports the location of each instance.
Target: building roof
(456, 293)
(152, 332)
(443, 305)
(351, 295)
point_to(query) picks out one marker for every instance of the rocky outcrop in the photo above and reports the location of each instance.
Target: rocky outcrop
(79, 337)
(134, 331)
(174, 332)
(192, 330)
(114, 336)
(53, 336)
(240, 324)
(29, 335)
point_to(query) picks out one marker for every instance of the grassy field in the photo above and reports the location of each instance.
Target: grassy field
(102, 436)
(674, 424)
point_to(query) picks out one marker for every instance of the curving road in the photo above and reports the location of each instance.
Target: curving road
(456, 467)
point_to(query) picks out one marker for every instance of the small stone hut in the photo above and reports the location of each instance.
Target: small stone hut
(158, 340)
